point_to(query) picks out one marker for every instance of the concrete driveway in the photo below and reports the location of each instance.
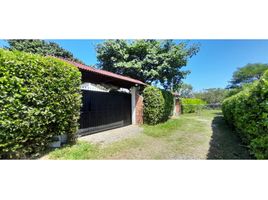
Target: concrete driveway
(113, 135)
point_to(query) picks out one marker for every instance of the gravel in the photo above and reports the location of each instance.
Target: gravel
(114, 135)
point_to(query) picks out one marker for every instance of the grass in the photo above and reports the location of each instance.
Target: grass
(191, 136)
(163, 129)
(79, 151)
(224, 143)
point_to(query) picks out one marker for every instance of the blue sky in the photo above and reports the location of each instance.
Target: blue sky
(212, 67)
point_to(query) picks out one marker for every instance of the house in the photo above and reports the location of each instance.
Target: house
(109, 100)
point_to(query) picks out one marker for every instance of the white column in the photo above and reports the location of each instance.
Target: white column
(174, 108)
(133, 104)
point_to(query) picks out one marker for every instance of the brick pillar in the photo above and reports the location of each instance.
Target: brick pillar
(139, 109)
(178, 107)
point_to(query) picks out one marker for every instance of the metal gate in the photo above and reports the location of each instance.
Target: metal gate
(103, 111)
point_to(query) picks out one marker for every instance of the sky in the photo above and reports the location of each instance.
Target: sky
(212, 67)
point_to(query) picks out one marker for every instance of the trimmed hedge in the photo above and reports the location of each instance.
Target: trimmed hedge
(39, 98)
(191, 105)
(168, 105)
(158, 105)
(247, 113)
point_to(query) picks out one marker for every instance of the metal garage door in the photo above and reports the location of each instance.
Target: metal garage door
(104, 110)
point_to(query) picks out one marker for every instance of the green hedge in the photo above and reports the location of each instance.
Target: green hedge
(39, 98)
(247, 113)
(168, 105)
(191, 105)
(158, 105)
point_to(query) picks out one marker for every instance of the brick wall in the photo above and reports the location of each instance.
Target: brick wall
(139, 109)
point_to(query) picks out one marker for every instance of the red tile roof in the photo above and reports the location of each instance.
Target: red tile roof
(103, 72)
(175, 94)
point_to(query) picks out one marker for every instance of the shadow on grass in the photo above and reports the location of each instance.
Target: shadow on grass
(224, 143)
(218, 113)
(39, 156)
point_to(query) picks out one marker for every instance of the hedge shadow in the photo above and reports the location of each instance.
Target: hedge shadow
(224, 143)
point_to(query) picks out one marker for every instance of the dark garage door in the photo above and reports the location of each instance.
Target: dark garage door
(103, 111)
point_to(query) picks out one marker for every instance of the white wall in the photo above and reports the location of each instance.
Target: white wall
(133, 104)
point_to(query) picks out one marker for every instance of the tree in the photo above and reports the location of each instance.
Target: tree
(212, 95)
(41, 47)
(233, 91)
(247, 74)
(185, 90)
(151, 61)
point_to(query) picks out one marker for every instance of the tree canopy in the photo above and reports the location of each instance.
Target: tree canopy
(185, 90)
(41, 47)
(151, 61)
(247, 74)
(212, 95)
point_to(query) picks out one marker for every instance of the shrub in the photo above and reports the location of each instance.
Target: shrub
(158, 105)
(153, 105)
(191, 105)
(247, 113)
(168, 105)
(39, 98)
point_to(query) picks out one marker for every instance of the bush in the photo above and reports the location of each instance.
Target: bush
(168, 105)
(247, 113)
(191, 105)
(153, 105)
(158, 105)
(39, 98)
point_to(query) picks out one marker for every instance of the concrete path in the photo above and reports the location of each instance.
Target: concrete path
(114, 135)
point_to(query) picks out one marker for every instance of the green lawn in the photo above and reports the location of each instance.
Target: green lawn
(190, 136)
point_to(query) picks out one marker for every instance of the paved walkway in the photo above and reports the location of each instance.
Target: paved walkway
(114, 135)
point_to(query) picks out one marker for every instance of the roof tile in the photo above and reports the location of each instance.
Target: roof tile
(103, 72)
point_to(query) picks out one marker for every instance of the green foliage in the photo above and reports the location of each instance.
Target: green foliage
(232, 91)
(192, 105)
(151, 61)
(158, 105)
(212, 95)
(153, 105)
(247, 74)
(259, 146)
(41, 47)
(39, 98)
(185, 90)
(247, 112)
(168, 105)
